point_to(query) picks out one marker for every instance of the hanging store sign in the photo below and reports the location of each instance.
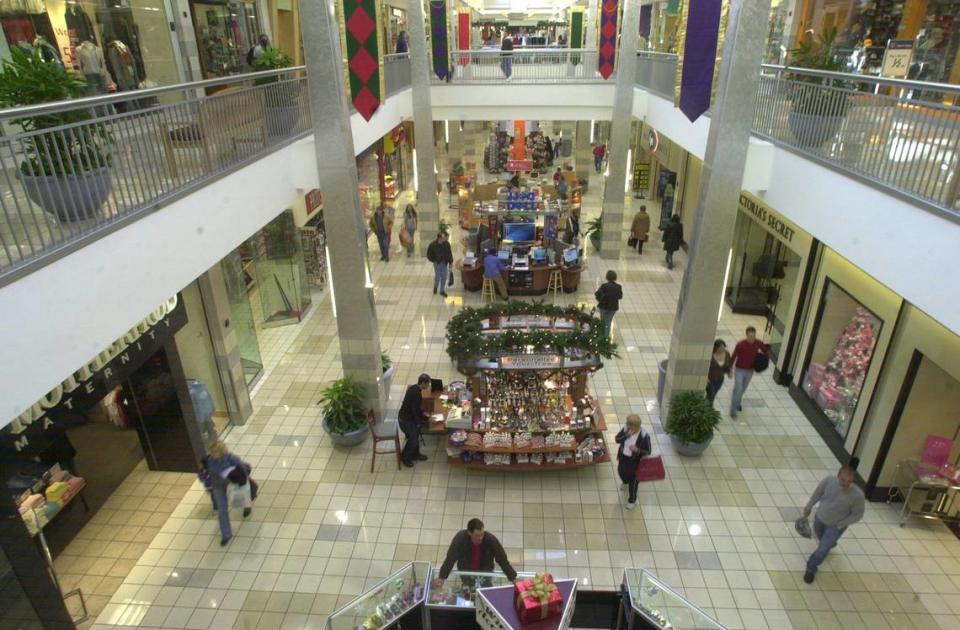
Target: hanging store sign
(519, 139)
(530, 362)
(897, 58)
(101, 374)
(785, 231)
(641, 176)
(524, 166)
(313, 200)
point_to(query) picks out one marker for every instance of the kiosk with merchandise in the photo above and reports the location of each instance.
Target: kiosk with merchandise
(527, 406)
(649, 603)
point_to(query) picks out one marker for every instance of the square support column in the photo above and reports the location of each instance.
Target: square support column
(701, 294)
(428, 207)
(582, 151)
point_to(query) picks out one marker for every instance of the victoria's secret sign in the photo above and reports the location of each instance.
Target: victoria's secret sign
(101, 374)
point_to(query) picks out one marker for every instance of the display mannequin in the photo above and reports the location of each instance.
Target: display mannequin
(122, 66)
(203, 408)
(94, 68)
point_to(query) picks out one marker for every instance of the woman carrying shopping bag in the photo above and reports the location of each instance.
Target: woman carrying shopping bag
(218, 470)
(634, 446)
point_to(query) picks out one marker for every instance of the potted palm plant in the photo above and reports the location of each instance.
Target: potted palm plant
(691, 421)
(817, 108)
(64, 171)
(282, 98)
(344, 412)
(386, 363)
(594, 231)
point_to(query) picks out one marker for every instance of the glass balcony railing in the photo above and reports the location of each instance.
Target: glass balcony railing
(900, 135)
(72, 171)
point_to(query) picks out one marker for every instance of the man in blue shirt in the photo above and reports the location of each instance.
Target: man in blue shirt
(494, 269)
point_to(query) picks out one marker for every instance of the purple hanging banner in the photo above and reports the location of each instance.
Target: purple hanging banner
(440, 39)
(646, 11)
(609, 11)
(700, 29)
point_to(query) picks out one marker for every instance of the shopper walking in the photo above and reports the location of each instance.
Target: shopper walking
(608, 300)
(506, 57)
(744, 360)
(557, 176)
(672, 238)
(549, 144)
(218, 467)
(720, 366)
(411, 416)
(572, 227)
(562, 189)
(634, 445)
(409, 229)
(841, 505)
(381, 224)
(402, 45)
(494, 269)
(599, 151)
(474, 549)
(640, 228)
(440, 254)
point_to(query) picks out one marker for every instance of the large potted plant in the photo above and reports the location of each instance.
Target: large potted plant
(65, 171)
(344, 412)
(282, 97)
(594, 231)
(386, 364)
(817, 109)
(691, 421)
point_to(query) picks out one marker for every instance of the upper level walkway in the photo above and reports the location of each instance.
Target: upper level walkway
(82, 168)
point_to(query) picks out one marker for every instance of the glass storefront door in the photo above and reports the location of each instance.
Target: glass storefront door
(225, 33)
(763, 277)
(239, 279)
(281, 274)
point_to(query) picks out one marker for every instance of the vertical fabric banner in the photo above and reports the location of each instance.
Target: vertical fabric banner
(463, 34)
(362, 41)
(646, 18)
(576, 32)
(439, 39)
(519, 139)
(700, 33)
(609, 11)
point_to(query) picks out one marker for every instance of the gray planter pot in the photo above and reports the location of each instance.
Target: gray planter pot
(69, 197)
(690, 449)
(387, 378)
(281, 119)
(347, 439)
(812, 130)
(595, 241)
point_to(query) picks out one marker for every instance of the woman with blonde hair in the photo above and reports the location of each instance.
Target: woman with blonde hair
(634, 446)
(219, 469)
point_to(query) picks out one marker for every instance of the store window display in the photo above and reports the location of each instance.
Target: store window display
(845, 336)
(226, 32)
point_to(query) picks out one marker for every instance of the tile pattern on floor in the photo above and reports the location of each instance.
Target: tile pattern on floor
(718, 528)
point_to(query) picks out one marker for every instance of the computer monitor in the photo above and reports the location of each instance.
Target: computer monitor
(539, 254)
(520, 231)
(521, 251)
(436, 385)
(570, 256)
(504, 255)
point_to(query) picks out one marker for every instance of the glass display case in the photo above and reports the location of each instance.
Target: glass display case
(658, 605)
(460, 589)
(385, 603)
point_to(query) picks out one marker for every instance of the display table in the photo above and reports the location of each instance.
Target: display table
(649, 603)
(531, 281)
(496, 609)
(938, 492)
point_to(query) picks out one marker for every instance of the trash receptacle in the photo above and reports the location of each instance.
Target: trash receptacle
(661, 381)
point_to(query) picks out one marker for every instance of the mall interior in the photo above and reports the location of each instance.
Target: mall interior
(192, 250)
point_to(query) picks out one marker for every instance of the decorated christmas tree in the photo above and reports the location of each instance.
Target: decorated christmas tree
(845, 370)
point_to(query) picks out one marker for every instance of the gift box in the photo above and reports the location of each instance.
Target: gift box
(537, 599)
(829, 398)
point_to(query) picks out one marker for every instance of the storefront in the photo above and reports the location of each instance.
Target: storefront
(370, 177)
(768, 262)
(225, 32)
(131, 403)
(134, 38)
(668, 175)
(847, 326)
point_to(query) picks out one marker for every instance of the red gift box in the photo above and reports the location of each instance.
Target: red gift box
(531, 607)
(829, 398)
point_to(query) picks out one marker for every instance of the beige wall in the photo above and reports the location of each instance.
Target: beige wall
(934, 402)
(690, 195)
(883, 302)
(195, 348)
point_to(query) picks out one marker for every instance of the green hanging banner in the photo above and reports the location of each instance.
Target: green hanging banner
(576, 31)
(362, 41)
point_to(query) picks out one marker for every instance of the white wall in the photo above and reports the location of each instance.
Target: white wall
(513, 101)
(911, 251)
(59, 317)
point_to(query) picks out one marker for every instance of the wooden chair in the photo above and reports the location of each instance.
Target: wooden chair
(225, 121)
(556, 283)
(386, 433)
(488, 290)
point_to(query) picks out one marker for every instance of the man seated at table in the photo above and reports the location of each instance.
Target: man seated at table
(494, 269)
(474, 549)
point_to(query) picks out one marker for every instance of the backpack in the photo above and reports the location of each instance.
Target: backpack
(250, 55)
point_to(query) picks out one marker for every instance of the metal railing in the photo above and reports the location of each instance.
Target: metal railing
(71, 172)
(901, 135)
(534, 65)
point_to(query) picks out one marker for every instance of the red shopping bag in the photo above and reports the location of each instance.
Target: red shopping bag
(651, 469)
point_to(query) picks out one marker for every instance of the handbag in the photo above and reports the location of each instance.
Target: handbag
(632, 241)
(450, 277)
(761, 363)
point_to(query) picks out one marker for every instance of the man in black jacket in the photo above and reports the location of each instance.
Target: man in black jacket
(608, 300)
(411, 415)
(474, 549)
(440, 254)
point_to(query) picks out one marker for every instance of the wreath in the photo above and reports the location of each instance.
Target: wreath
(466, 340)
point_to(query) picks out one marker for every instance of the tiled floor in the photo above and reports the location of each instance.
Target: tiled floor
(719, 528)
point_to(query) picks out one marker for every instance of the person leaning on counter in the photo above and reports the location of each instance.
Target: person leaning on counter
(474, 549)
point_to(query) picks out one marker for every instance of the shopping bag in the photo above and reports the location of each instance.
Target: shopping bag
(651, 468)
(239, 496)
(632, 241)
(254, 490)
(802, 525)
(450, 279)
(404, 237)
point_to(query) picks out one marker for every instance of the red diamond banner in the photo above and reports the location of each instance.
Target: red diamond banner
(609, 11)
(362, 42)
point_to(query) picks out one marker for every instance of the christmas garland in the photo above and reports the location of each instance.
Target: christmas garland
(466, 340)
